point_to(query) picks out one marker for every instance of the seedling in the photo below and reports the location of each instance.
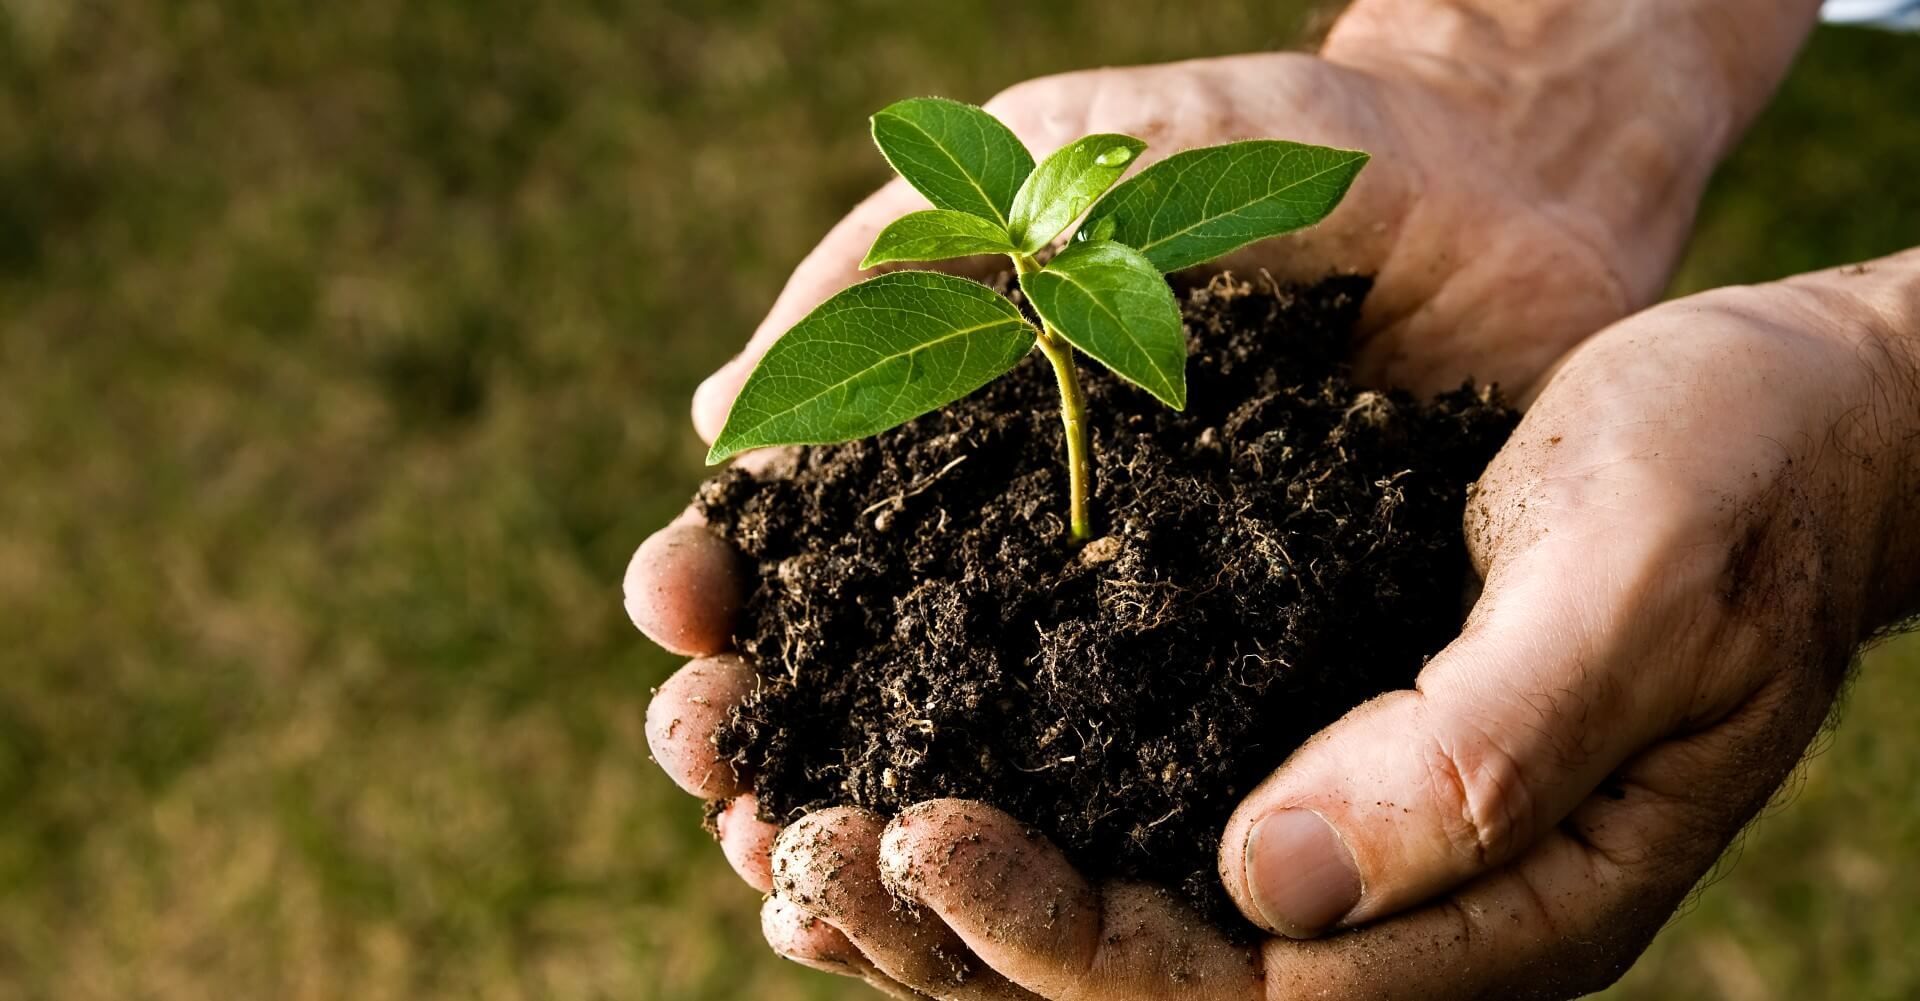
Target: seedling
(906, 343)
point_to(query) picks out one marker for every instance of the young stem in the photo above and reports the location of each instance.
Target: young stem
(1073, 419)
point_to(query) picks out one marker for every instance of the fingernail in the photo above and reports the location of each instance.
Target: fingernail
(1300, 874)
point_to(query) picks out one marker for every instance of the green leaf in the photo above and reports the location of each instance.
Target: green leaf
(957, 155)
(1195, 206)
(1108, 300)
(936, 235)
(877, 355)
(1067, 184)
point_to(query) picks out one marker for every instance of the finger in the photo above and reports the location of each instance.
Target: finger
(747, 841)
(1560, 675)
(797, 935)
(681, 721)
(682, 718)
(684, 587)
(1020, 906)
(1568, 918)
(831, 266)
(826, 864)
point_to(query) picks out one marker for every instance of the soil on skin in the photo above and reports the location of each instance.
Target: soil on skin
(1285, 549)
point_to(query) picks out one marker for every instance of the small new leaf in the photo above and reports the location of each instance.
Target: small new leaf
(936, 235)
(877, 355)
(1109, 301)
(1066, 184)
(957, 155)
(1200, 204)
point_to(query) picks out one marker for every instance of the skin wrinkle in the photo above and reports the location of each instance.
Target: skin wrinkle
(1384, 314)
(1490, 794)
(1539, 901)
(1494, 62)
(1423, 319)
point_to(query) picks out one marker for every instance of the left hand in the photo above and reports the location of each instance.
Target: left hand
(1699, 518)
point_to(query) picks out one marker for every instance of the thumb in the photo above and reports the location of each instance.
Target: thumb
(1508, 730)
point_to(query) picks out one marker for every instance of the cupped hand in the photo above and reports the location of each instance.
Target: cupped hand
(1681, 546)
(1492, 258)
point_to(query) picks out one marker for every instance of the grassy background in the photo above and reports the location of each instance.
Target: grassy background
(343, 358)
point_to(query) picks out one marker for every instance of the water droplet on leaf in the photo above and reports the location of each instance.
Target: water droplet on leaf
(1114, 157)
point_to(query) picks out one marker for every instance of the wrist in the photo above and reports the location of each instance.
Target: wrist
(1616, 114)
(1874, 310)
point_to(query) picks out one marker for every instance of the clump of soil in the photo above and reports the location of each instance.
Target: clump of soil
(1285, 549)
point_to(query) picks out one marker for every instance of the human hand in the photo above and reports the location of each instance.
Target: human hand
(1493, 249)
(1698, 520)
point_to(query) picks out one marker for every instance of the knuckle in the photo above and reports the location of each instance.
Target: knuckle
(813, 858)
(1480, 797)
(910, 849)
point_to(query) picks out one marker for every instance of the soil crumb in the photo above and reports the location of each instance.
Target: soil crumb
(1283, 550)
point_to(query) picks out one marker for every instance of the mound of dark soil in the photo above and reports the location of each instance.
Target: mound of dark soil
(1285, 549)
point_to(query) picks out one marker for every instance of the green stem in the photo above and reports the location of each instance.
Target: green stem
(1073, 419)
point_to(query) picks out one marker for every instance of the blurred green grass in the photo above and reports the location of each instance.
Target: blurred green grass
(344, 353)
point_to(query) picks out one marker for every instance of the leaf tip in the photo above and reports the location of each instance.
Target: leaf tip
(721, 451)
